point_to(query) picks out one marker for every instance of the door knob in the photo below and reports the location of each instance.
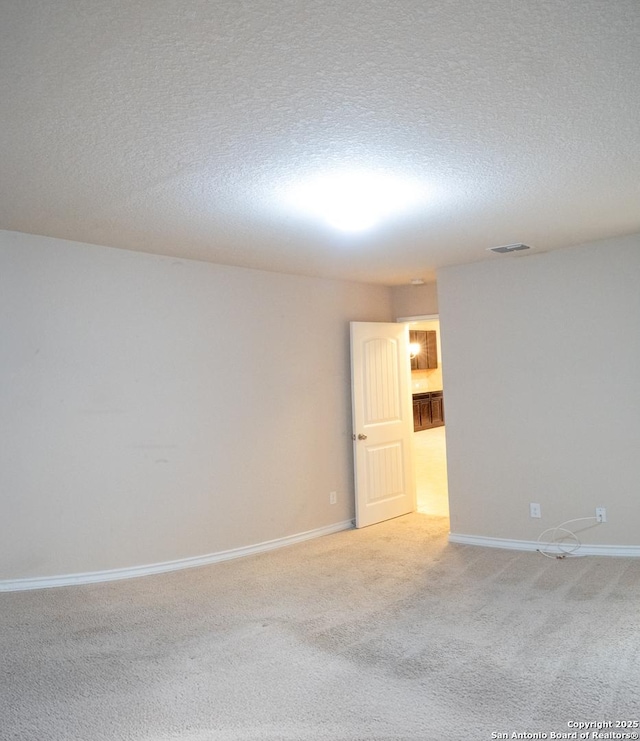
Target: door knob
(362, 437)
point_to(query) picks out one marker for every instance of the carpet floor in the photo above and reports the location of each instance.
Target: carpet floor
(385, 633)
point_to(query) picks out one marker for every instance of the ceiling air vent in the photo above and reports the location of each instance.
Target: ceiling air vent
(509, 248)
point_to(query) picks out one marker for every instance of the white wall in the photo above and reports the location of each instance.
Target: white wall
(414, 300)
(153, 408)
(542, 357)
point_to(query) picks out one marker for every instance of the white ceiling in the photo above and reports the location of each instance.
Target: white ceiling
(175, 127)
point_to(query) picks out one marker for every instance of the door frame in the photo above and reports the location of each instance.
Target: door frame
(420, 318)
(423, 318)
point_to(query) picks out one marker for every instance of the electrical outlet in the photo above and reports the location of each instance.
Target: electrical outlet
(601, 514)
(534, 510)
(333, 497)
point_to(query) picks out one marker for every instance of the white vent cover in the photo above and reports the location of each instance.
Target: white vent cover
(509, 248)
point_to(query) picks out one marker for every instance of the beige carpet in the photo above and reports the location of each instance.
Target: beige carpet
(383, 633)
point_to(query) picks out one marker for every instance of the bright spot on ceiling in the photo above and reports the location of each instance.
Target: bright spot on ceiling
(356, 201)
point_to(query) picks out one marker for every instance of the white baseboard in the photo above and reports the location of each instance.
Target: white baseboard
(533, 545)
(91, 577)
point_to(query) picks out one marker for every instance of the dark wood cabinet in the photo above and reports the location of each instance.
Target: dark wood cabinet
(428, 410)
(437, 409)
(416, 415)
(427, 357)
(425, 412)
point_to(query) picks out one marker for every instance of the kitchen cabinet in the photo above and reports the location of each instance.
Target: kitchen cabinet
(437, 409)
(428, 410)
(427, 358)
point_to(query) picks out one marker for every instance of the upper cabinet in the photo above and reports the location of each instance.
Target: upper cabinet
(427, 358)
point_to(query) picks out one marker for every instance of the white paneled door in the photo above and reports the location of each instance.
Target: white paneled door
(382, 421)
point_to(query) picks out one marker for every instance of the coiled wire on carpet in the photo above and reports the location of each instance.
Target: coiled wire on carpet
(562, 550)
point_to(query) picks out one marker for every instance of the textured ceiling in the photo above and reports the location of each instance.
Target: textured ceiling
(176, 127)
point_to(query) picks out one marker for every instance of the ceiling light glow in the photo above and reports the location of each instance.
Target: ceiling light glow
(355, 201)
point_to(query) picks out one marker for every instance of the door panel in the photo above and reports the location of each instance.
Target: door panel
(381, 395)
(385, 471)
(382, 421)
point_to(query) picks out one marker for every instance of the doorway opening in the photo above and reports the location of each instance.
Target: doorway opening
(429, 444)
